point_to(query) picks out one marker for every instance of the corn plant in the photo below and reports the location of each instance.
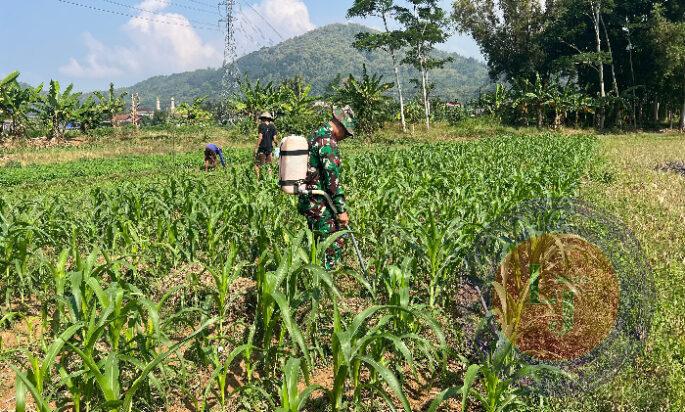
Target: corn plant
(39, 373)
(499, 375)
(292, 398)
(357, 345)
(223, 280)
(222, 367)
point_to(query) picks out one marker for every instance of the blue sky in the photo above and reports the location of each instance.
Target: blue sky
(61, 40)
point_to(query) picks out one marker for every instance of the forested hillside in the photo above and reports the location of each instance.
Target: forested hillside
(318, 56)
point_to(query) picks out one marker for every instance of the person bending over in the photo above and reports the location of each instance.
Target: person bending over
(211, 153)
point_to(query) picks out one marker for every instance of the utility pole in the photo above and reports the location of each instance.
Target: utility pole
(135, 100)
(229, 80)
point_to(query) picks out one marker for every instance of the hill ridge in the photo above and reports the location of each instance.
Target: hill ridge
(318, 56)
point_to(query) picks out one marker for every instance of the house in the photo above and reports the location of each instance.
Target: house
(120, 119)
(146, 112)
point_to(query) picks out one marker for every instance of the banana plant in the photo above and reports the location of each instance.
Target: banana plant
(58, 108)
(368, 96)
(112, 103)
(89, 115)
(16, 103)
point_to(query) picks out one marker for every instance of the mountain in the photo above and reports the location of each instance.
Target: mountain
(318, 56)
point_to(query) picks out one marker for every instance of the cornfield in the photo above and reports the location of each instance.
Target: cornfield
(180, 288)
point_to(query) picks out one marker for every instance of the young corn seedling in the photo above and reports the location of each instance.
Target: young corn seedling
(222, 368)
(39, 373)
(276, 302)
(358, 346)
(292, 398)
(498, 376)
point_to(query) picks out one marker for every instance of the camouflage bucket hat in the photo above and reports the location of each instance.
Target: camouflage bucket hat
(345, 115)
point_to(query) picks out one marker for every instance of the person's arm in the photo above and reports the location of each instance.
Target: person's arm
(332, 169)
(259, 139)
(259, 143)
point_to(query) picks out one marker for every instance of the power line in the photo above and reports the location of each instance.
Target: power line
(254, 27)
(183, 6)
(266, 21)
(202, 3)
(202, 23)
(136, 17)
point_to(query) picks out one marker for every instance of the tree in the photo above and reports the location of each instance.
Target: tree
(298, 112)
(669, 37)
(57, 108)
(391, 41)
(510, 33)
(424, 27)
(367, 97)
(495, 102)
(255, 98)
(193, 113)
(112, 104)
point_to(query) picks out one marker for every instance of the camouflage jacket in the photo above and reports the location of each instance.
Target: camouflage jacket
(325, 168)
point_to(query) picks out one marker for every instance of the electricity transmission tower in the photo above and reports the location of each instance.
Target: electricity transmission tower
(229, 81)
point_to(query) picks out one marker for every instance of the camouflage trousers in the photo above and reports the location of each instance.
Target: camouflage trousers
(322, 223)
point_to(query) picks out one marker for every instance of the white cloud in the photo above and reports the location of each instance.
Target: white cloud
(153, 47)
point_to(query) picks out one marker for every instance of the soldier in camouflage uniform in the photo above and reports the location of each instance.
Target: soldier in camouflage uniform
(324, 174)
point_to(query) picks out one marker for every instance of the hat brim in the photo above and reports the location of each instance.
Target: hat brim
(350, 132)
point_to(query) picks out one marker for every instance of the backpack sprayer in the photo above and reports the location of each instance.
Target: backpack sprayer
(293, 165)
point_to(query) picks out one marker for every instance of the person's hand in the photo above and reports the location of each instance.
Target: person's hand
(344, 219)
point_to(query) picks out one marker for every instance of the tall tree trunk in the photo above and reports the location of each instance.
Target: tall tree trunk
(657, 106)
(596, 16)
(397, 77)
(682, 113)
(614, 81)
(426, 103)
